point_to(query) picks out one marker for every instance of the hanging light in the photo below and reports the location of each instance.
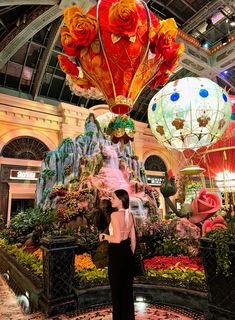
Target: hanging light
(192, 170)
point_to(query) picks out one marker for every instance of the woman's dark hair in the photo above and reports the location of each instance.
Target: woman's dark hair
(123, 196)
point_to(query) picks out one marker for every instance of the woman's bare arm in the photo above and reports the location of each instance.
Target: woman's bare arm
(116, 237)
(133, 239)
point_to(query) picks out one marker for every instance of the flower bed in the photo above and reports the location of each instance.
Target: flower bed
(29, 260)
(17, 271)
(181, 271)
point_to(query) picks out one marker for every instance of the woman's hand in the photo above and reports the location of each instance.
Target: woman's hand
(102, 236)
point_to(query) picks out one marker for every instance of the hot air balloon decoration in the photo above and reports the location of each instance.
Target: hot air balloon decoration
(189, 113)
(118, 48)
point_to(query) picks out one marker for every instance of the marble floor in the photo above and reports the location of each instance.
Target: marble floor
(10, 310)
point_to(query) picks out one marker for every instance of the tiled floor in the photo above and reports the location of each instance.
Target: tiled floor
(10, 310)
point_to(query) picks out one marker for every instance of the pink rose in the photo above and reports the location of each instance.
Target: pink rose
(204, 206)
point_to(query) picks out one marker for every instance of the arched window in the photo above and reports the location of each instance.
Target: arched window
(155, 163)
(25, 148)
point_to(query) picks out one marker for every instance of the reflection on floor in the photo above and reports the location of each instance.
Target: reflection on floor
(145, 311)
(10, 310)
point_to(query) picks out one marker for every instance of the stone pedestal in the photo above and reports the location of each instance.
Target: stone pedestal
(58, 275)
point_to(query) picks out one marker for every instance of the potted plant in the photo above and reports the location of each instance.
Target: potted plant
(218, 253)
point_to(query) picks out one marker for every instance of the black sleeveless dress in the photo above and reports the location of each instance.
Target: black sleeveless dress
(120, 271)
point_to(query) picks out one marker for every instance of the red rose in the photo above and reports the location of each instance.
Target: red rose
(70, 47)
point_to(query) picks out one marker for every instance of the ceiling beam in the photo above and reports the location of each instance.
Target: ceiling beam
(168, 9)
(54, 33)
(226, 81)
(28, 2)
(41, 17)
(85, 4)
(202, 15)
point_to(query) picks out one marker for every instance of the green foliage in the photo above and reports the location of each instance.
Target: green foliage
(92, 277)
(152, 232)
(89, 133)
(171, 247)
(122, 121)
(179, 276)
(87, 235)
(222, 239)
(63, 155)
(48, 156)
(48, 173)
(65, 142)
(33, 221)
(160, 238)
(25, 258)
(46, 191)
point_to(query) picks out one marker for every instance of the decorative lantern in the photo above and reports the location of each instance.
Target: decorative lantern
(189, 113)
(121, 128)
(119, 47)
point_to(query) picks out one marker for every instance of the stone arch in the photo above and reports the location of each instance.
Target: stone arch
(11, 135)
(155, 163)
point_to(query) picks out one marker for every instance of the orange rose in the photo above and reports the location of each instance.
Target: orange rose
(162, 39)
(70, 12)
(123, 18)
(83, 29)
(70, 47)
(67, 66)
(167, 27)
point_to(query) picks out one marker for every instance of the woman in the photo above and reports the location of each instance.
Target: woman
(122, 244)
